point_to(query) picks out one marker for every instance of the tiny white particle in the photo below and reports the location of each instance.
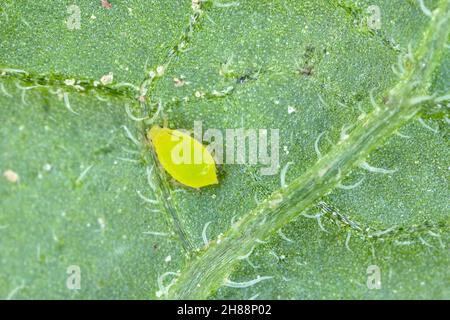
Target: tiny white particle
(291, 109)
(160, 70)
(107, 78)
(168, 259)
(69, 82)
(11, 176)
(102, 223)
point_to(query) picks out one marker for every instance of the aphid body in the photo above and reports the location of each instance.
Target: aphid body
(183, 157)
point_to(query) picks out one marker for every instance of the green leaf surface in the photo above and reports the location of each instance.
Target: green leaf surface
(363, 188)
(121, 40)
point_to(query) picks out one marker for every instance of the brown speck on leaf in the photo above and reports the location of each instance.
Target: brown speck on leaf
(11, 176)
(106, 4)
(307, 71)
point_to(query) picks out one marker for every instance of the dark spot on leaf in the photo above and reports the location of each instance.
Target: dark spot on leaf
(103, 150)
(307, 71)
(250, 76)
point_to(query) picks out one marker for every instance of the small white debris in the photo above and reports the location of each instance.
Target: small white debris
(11, 176)
(275, 200)
(102, 223)
(219, 238)
(199, 94)
(160, 71)
(47, 167)
(154, 233)
(168, 259)
(195, 5)
(69, 82)
(179, 82)
(291, 109)
(107, 79)
(93, 17)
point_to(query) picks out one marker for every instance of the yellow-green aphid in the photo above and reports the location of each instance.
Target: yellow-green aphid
(184, 158)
